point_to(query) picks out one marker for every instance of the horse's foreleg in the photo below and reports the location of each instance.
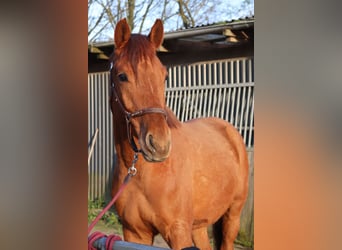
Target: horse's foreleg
(178, 235)
(201, 239)
(145, 238)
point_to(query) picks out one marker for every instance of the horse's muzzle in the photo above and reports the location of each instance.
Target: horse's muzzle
(155, 149)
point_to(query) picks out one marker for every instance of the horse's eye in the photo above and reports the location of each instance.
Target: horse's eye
(123, 77)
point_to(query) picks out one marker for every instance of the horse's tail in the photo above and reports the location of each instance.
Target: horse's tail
(217, 234)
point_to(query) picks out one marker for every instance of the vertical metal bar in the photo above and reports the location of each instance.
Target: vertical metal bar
(251, 122)
(225, 82)
(231, 92)
(246, 124)
(175, 91)
(216, 91)
(243, 101)
(170, 87)
(211, 84)
(218, 79)
(228, 90)
(196, 83)
(167, 88)
(205, 110)
(194, 92)
(190, 97)
(174, 98)
(238, 97)
(180, 93)
(247, 115)
(200, 83)
(186, 94)
(209, 89)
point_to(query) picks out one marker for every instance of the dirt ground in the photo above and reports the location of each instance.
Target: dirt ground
(158, 240)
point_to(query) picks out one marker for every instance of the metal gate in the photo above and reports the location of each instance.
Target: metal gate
(222, 88)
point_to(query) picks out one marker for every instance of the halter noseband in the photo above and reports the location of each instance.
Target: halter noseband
(129, 116)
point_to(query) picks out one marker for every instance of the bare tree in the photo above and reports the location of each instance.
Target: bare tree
(130, 8)
(109, 12)
(148, 8)
(185, 14)
(104, 14)
(94, 21)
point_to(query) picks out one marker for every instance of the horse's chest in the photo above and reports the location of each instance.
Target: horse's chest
(132, 199)
(144, 202)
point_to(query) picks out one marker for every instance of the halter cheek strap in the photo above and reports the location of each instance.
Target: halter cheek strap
(129, 116)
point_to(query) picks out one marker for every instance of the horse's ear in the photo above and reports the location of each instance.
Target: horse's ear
(157, 33)
(122, 33)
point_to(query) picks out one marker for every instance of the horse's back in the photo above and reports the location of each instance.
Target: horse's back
(218, 135)
(219, 166)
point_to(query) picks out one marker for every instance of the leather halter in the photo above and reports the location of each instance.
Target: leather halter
(130, 115)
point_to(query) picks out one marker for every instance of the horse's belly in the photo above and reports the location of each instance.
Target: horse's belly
(215, 177)
(211, 201)
(215, 169)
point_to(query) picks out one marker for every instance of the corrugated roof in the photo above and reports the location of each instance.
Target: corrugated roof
(232, 24)
(223, 22)
(213, 27)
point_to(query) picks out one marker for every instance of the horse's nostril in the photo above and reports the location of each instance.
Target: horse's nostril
(151, 143)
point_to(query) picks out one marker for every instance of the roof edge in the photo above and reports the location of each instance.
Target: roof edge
(210, 28)
(235, 25)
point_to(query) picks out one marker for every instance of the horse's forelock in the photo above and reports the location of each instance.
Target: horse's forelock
(137, 49)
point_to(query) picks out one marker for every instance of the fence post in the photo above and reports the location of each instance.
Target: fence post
(246, 232)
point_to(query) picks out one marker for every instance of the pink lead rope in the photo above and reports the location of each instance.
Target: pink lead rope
(99, 216)
(97, 235)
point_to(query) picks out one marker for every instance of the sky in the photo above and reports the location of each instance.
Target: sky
(223, 10)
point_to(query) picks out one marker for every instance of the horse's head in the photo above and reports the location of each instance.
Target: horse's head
(138, 81)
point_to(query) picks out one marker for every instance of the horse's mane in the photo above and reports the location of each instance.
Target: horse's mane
(172, 120)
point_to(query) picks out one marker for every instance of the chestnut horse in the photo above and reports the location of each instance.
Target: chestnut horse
(191, 175)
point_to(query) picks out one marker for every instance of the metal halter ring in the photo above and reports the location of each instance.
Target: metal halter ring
(132, 170)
